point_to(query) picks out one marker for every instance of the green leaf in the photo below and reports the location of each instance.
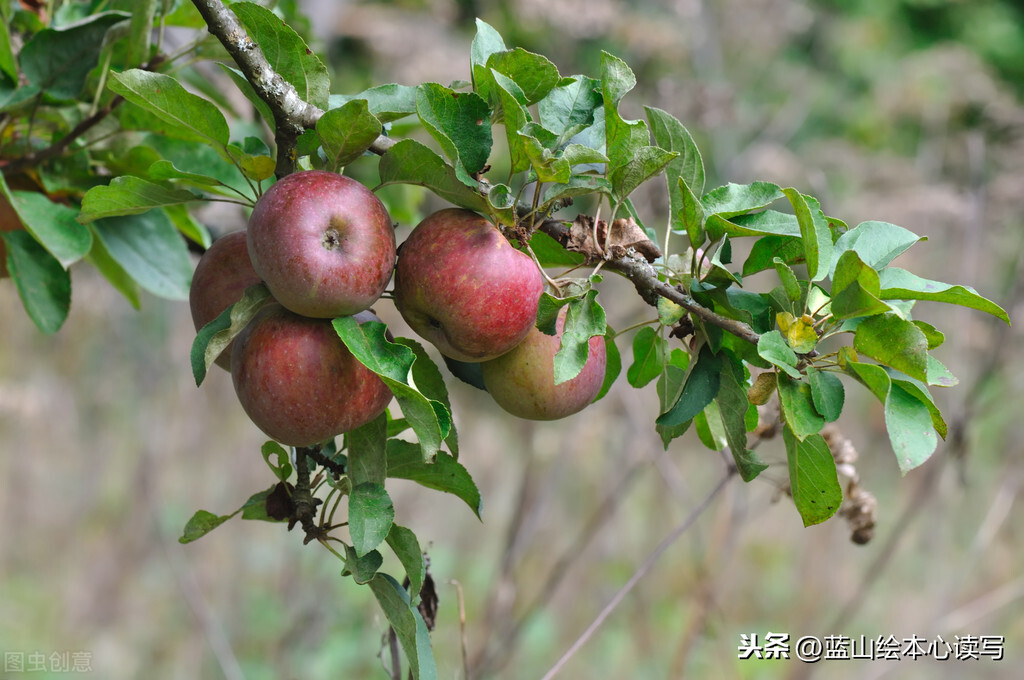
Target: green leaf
(428, 380)
(815, 233)
(347, 132)
(212, 339)
(644, 163)
(43, 284)
(789, 280)
(687, 167)
(623, 138)
(367, 452)
(649, 354)
(798, 410)
(57, 61)
(370, 516)
(921, 393)
(54, 226)
(129, 195)
(703, 380)
(737, 199)
(772, 347)
(386, 102)
(934, 335)
(405, 461)
(286, 52)
(282, 467)
(876, 243)
(766, 250)
(899, 284)
(512, 112)
(535, 74)
(813, 480)
(256, 507)
(908, 417)
(733, 405)
(410, 162)
(584, 319)
(461, 124)
(151, 250)
(409, 627)
(551, 253)
(430, 420)
(191, 116)
(140, 29)
(362, 568)
(570, 107)
(114, 273)
(855, 288)
(613, 364)
(669, 387)
(486, 42)
(7, 65)
(407, 548)
(202, 523)
(894, 342)
(246, 88)
(827, 393)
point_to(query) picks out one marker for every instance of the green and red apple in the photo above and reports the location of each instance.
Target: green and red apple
(522, 381)
(461, 285)
(323, 243)
(298, 382)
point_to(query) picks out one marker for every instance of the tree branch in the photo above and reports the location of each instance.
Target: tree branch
(293, 115)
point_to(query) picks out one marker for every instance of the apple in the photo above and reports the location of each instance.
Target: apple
(9, 221)
(323, 244)
(461, 285)
(221, 277)
(298, 382)
(522, 381)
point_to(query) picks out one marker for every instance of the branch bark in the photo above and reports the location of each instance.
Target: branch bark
(293, 115)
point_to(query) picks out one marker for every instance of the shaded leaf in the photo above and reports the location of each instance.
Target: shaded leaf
(827, 393)
(410, 162)
(405, 461)
(57, 61)
(461, 124)
(703, 380)
(212, 339)
(346, 132)
(813, 480)
(649, 354)
(798, 411)
(370, 516)
(408, 625)
(406, 547)
(43, 284)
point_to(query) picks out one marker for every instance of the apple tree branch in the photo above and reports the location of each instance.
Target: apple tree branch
(293, 115)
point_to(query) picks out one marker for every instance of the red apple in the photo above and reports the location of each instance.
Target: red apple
(221, 277)
(461, 285)
(522, 381)
(298, 382)
(323, 244)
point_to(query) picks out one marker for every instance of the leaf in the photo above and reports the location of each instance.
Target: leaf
(644, 163)
(362, 568)
(908, 418)
(151, 250)
(129, 195)
(202, 523)
(140, 29)
(511, 111)
(7, 65)
(486, 42)
(444, 474)
(613, 364)
(894, 342)
(370, 516)
(286, 52)
(246, 88)
(407, 548)
(772, 347)
(213, 338)
(687, 167)
(814, 230)
(623, 138)
(428, 380)
(191, 116)
(584, 319)
(386, 102)
(669, 387)
(649, 355)
(827, 393)
(282, 468)
(570, 107)
(367, 452)
(798, 409)
(114, 273)
(347, 132)
(899, 284)
(461, 124)
(733, 405)
(410, 162)
(535, 74)
(737, 199)
(855, 288)
(53, 225)
(57, 61)
(875, 243)
(408, 624)
(767, 249)
(550, 252)
(43, 284)
(703, 380)
(813, 480)
(430, 420)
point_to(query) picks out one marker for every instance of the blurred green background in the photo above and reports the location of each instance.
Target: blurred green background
(908, 111)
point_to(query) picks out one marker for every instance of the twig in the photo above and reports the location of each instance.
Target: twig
(639, 574)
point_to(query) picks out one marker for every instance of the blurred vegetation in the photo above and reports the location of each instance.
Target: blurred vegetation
(908, 111)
